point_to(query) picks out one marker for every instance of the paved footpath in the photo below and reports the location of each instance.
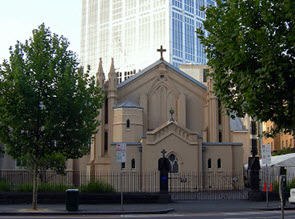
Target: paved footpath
(183, 207)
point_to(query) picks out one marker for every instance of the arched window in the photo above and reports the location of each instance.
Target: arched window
(220, 136)
(106, 137)
(106, 111)
(253, 128)
(123, 166)
(128, 124)
(218, 163)
(209, 163)
(173, 163)
(219, 112)
(133, 163)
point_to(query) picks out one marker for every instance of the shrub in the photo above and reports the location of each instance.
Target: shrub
(275, 186)
(290, 185)
(283, 151)
(246, 183)
(47, 187)
(4, 186)
(42, 187)
(24, 187)
(97, 186)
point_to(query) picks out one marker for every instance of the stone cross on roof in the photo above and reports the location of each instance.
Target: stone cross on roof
(161, 50)
(163, 152)
(171, 112)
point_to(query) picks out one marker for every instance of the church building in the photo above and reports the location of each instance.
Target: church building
(162, 111)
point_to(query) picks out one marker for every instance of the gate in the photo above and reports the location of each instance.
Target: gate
(207, 186)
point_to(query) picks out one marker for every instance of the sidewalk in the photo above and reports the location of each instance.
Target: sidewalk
(177, 207)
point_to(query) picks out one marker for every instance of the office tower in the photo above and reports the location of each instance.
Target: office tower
(131, 31)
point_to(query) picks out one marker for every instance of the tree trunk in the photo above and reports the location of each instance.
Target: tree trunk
(35, 185)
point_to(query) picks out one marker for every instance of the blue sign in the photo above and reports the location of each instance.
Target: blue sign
(163, 178)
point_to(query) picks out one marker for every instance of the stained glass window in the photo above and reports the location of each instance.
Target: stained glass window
(173, 163)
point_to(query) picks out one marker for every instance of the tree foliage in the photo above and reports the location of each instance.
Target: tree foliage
(55, 162)
(251, 49)
(47, 104)
(287, 150)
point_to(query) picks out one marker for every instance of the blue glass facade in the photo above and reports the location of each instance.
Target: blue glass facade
(186, 16)
(177, 36)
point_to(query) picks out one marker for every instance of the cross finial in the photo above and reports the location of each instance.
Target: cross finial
(163, 152)
(161, 50)
(171, 112)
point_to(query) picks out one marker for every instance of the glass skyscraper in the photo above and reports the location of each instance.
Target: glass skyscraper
(131, 31)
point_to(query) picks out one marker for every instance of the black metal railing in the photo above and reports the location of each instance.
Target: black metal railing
(207, 185)
(22, 180)
(182, 186)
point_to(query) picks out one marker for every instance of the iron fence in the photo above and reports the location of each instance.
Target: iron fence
(182, 186)
(131, 181)
(207, 186)
(127, 181)
(269, 177)
(13, 180)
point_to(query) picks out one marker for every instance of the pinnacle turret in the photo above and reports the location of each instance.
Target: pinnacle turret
(112, 76)
(100, 74)
(112, 72)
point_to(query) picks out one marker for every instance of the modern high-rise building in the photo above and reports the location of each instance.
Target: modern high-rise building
(131, 31)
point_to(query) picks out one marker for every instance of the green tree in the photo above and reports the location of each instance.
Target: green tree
(47, 104)
(54, 162)
(251, 49)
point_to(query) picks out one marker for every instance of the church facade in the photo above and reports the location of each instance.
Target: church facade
(162, 111)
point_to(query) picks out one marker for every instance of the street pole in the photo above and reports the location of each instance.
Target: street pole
(282, 189)
(282, 209)
(266, 185)
(121, 158)
(121, 188)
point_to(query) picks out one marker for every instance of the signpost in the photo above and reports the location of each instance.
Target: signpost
(266, 159)
(266, 154)
(121, 153)
(121, 158)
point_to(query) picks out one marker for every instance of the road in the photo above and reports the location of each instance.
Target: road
(233, 215)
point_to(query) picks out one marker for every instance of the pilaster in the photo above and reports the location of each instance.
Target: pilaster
(112, 101)
(181, 105)
(213, 113)
(143, 102)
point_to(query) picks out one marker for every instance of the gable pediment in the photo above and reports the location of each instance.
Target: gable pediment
(163, 67)
(172, 128)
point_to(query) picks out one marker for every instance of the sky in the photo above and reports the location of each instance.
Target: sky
(19, 17)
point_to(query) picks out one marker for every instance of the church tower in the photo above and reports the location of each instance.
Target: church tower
(218, 122)
(99, 137)
(98, 155)
(128, 122)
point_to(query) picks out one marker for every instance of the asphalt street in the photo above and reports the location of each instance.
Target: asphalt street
(181, 209)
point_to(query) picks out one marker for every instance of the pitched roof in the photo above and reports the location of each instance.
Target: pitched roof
(158, 63)
(127, 104)
(236, 125)
(171, 123)
(285, 160)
